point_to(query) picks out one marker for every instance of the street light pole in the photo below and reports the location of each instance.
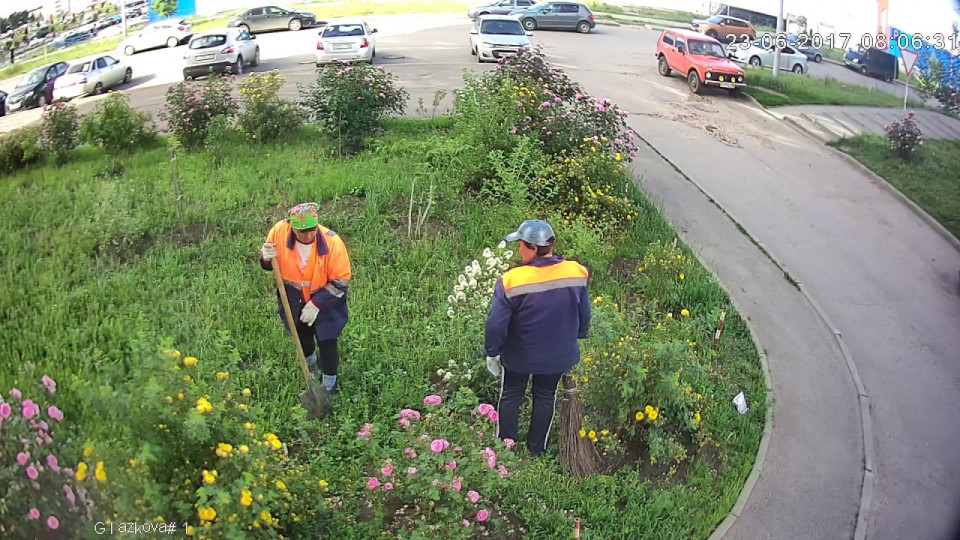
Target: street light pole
(123, 16)
(776, 49)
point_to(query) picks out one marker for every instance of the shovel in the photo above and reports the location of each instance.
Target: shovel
(316, 399)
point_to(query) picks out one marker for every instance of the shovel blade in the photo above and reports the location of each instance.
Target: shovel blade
(316, 400)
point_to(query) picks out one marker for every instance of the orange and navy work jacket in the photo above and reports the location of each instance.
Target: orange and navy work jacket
(539, 311)
(324, 281)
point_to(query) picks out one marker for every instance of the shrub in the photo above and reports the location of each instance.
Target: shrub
(189, 108)
(349, 102)
(266, 117)
(443, 464)
(39, 493)
(19, 148)
(905, 137)
(115, 126)
(591, 189)
(58, 130)
(203, 454)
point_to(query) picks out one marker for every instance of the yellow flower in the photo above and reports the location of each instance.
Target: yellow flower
(173, 353)
(242, 406)
(648, 409)
(169, 399)
(224, 450)
(687, 390)
(223, 375)
(639, 415)
(207, 514)
(203, 406)
(265, 515)
(669, 316)
(684, 312)
(681, 276)
(696, 417)
(81, 471)
(190, 361)
(186, 378)
(99, 473)
(190, 530)
(246, 498)
(180, 396)
(586, 379)
(246, 392)
(583, 433)
(324, 484)
(133, 462)
(244, 449)
(281, 486)
(249, 425)
(209, 477)
(653, 415)
(640, 269)
(276, 444)
(699, 396)
(605, 432)
(592, 434)
(617, 157)
(87, 451)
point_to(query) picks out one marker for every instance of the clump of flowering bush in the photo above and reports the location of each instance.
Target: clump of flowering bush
(58, 130)
(205, 455)
(349, 102)
(266, 116)
(40, 495)
(442, 466)
(189, 107)
(115, 126)
(905, 137)
(474, 288)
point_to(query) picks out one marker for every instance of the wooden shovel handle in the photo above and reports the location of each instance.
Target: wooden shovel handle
(281, 289)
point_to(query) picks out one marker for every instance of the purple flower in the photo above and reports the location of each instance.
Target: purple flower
(5, 410)
(49, 383)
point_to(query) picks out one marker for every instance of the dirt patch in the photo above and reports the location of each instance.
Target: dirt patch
(698, 113)
(274, 213)
(623, 270)
(111, 172)
(190, 235)
(404, 224)
(123, 251)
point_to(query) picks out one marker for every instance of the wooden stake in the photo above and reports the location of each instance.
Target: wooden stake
(576, 529)
(716, 337)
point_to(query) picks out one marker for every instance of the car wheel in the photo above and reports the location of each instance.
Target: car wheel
(98, 89)
(238, 67)
(256, 58)
(818, 59)
(583, 27)
(127, 76)
(129, 50)
(529, 25)
(295, 25)
(755, 61)
(244, 28)
(172, 41)
(663, 67)
(473, 51)
(694, 81)
(863, 70)
(712, 33)
(42, 102)
(798, 69)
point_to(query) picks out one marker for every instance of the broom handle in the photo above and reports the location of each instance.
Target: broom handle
(281, 289)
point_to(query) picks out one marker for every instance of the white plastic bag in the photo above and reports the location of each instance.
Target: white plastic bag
(741, 402)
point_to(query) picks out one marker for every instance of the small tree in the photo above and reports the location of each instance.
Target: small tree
(165, 7)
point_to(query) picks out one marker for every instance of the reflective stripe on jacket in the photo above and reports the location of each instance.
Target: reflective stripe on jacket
(325, 280)
(538, 312)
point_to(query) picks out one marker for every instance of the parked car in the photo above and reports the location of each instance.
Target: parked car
(220, 51)
(3, 103)
(757, 55)
(69, 41)
(872, 62)
(494, 36)
(169, 33)
(93, 75)
(35, 89)
(501, 7)
(803, 43)
(700, 58)
(346, 40)
(556, 16)
(724, 28)
(264, 19)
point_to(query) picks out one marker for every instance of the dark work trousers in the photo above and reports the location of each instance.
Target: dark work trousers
(513, 385)
(326, 349)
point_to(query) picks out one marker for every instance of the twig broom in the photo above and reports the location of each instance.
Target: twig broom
(577, 455)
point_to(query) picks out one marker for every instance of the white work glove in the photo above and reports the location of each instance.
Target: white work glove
(309, 313)
(268, 251)
(493, 365)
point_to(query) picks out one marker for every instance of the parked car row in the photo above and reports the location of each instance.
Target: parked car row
(554, 15)
(61, 80)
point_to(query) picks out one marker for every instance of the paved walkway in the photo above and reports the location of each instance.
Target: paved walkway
(830, 122)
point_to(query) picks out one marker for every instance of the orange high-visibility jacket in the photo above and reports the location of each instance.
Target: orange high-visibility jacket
(325, 280)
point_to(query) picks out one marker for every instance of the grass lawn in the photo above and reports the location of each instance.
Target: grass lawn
(106, 254)
(640, 11)
(833, 54)
(932, 179)
(807, 90)
(78, 51)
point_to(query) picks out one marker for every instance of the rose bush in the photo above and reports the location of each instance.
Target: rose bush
(189, 107)
(905, 136)
(58, 130)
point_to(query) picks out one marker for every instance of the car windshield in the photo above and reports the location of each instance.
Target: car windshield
(82, 67)
(502, 28)
(33, 77)
(707, 48)
(343, 30)
(715, 20)
(205, 42)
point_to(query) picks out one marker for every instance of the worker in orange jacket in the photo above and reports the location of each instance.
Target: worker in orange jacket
(316, 273)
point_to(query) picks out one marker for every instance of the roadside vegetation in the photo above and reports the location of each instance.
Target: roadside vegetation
(792, 89)
(930, 176)
(176, 388)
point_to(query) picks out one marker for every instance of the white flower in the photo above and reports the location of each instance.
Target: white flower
(461, 296)
(487, 253)
(490, 290)
(440, 372)
(450, 312)
(462, 279)
(451, 299)
(476, 265)
(507, 253)
(457, 288)
(502, 244)
(473, 283)
(491, 263)
(447, 376)
(469, 373)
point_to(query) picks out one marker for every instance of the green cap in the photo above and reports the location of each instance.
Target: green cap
(305, 216)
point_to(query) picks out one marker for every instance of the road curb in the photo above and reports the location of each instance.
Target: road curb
(874, 177)
(866, 423)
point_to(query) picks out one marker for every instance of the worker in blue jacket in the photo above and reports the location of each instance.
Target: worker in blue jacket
(539, 311)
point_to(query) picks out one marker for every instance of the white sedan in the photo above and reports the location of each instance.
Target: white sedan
(92, 75)
(346, 41)
(756, 55)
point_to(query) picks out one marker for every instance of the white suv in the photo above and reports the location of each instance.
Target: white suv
(226, 50)
(169, 33)
(495, 36)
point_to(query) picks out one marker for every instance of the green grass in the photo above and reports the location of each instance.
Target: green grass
(78, 51)
(931, 179)
(833, 54)
(649, 12)
(807, 90)
(93, 257)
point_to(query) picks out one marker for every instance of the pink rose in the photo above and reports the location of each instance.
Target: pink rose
(382, 95)
(493, 416)
(465, 523)
(387, 469)
(373, 482)
(68, 493)
(407, 450)
(513, 130)
(452, 465)
(33, 514)
(404, 422)
(413, 455)
(457, 485)
(601, 108)
(53, 523)
(556, 100)
(410, 413)
(491, 462)
(580, 96)
(43, 426)
(55, 413)
(633, 154)
(436, 446)
(29, 409)
(483, 515)
(49, 383)
(388, 486)
(488, 452)
(412, 471)
(32, 472)
(473, 497)
(22, 458)
(5, 410)
(52, 463)
(14, 393)
(502, 470)
(509, 443)
(484, 409)
(432, 400)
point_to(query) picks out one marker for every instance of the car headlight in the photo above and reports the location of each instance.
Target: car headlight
(487, 44)
(721, 78)
(710, 75)
(740, 78)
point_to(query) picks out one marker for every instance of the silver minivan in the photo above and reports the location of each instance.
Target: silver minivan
(226, 50)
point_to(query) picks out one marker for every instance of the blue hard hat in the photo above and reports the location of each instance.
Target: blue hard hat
(533, 231)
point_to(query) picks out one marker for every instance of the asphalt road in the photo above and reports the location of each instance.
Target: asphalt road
(887, 281)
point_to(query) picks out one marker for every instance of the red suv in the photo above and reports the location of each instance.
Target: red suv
(701, 59)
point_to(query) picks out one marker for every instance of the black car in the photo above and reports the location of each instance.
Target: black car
(264, 19)
(35, 89)
(3, 103)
